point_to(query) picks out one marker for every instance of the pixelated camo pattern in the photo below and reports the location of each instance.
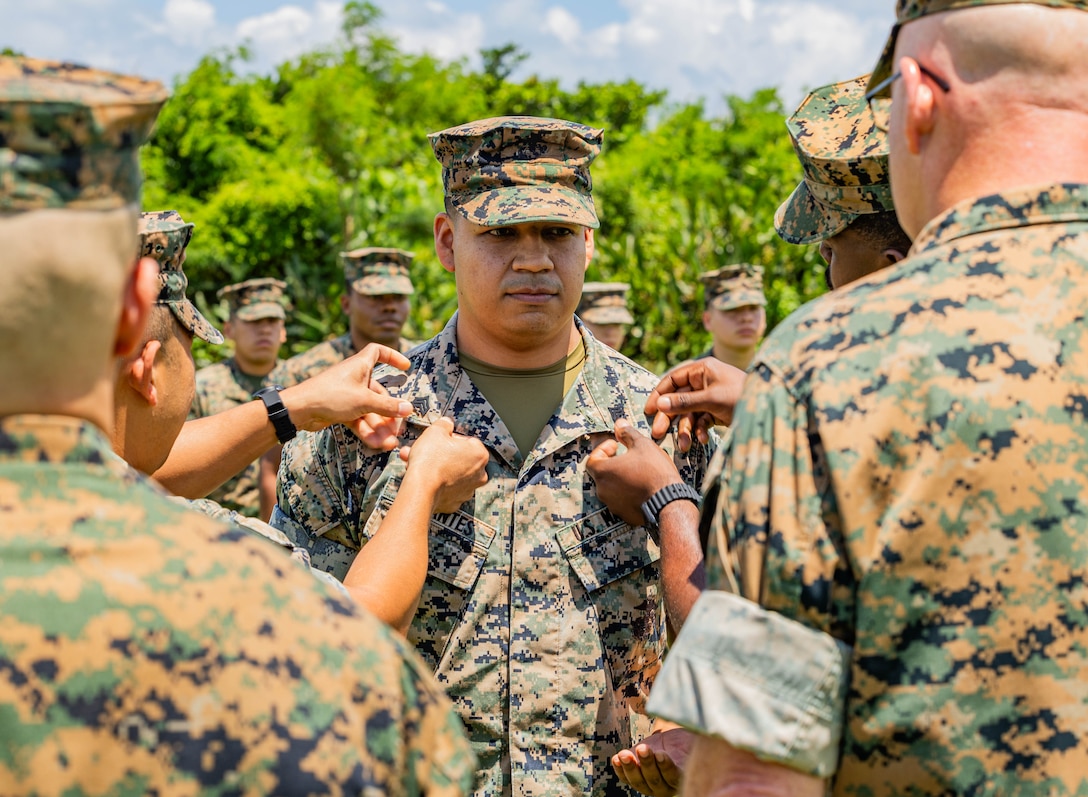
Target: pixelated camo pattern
(379, 271)
(221, 387)
(542, 612)
(735, 285)
(909, 474)
(163, 236)
(844, 157)
(513, 169)
(605, 303)
(148, 649)
(70, 136)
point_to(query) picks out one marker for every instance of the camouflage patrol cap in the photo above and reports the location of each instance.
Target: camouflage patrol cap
(605, 303)
(844, 156)
(70, 136)
(375, 271)
(909, 10)
(736, 285)
(256, 299)
(516, 169)
(163, 237)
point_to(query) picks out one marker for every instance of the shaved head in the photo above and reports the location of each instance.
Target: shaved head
(64, 272)
(1015, 113)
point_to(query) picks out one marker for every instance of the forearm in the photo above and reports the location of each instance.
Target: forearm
(717, 769)
(682, 574)
(211, 450)
(387, 576)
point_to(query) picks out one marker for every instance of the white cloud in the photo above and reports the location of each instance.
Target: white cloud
(455, 36)
(562, 24)
(286, 23)
(188, 21)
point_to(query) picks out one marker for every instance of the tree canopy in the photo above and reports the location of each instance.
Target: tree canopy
(282, 172)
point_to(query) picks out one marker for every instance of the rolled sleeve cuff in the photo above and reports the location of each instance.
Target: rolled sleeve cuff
(759, 681)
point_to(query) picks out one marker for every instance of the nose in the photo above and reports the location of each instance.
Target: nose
(532, 254)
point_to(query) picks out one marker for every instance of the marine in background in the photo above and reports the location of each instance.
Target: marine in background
(257, 326)
(376, 299)
(603, 310)
(734, 312)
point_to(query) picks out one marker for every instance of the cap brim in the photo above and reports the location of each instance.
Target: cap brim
(739, 299)
(381, 286)
(190, 318)
(502, 207)
(255, 312)
(883, 69)
(608, 315)
(802, 220)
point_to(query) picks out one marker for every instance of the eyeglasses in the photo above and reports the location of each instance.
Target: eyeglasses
(881, 106)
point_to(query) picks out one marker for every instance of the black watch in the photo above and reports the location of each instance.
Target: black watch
(652, 506)
(277, 413)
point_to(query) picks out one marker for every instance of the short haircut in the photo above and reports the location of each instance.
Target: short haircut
(882, 231)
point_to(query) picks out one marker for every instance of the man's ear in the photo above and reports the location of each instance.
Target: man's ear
(591, 246)
(141, 372)
(892, 256)
(443, 241)
(920, 105)
(706, 320)
(228, 329)
(140, 291)
(345, 299)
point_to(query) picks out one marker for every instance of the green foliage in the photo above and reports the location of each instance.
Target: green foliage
(282, 173)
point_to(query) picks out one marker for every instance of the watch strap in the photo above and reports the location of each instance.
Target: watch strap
(679, 491)
(277, 412)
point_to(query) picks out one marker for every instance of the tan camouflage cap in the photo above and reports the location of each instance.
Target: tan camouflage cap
(256, 299)
(605, 303)
(163, 237)
(844, 156)
(70, 136)
(908, 10)
(375, 271)
(736, 285)
(515, 169)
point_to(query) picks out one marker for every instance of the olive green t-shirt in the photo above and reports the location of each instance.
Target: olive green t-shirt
(526, 399)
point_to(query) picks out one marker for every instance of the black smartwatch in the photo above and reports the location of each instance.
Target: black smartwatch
(652, 506)
(277, 413)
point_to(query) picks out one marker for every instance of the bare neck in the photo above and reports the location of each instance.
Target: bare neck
(537, 353)
(1031, 147)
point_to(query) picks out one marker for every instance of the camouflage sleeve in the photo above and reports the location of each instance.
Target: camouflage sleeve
(766, 669)
(775, 534)
(319, 496)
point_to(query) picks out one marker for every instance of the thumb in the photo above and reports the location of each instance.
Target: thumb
(627, 434)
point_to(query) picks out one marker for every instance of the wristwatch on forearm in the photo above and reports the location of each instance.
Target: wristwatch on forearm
(652, 506)
(277, 412)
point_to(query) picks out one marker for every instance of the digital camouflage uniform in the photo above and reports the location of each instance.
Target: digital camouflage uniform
(844, 156)
(224, 385)
(908, 482)
(137, 661)
(144, 648)
(542, 612)
(372, 271)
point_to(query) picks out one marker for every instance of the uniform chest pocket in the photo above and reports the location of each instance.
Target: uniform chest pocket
(602, 548)
(457, 549)
(616, 564)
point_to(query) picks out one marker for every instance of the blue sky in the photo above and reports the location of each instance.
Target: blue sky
(694, 48)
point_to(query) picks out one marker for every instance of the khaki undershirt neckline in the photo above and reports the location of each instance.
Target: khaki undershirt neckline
(526, 399)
